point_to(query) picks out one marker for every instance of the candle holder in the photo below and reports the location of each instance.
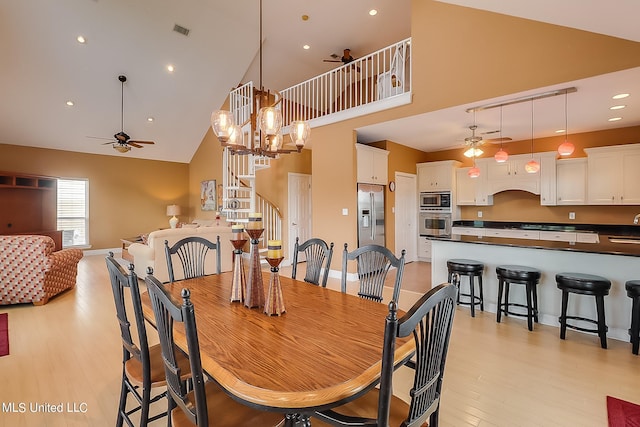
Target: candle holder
(274, 304)
(238, 281)
(254, 295)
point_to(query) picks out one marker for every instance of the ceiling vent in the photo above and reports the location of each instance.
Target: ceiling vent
(180, 29)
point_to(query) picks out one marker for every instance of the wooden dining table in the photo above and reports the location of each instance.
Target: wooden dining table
(323, 351)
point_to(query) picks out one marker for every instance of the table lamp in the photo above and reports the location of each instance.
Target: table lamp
(172, 211)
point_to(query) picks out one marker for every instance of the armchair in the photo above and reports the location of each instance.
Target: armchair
(31, 272)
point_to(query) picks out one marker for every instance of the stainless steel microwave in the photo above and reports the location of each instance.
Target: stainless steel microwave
(435, 201)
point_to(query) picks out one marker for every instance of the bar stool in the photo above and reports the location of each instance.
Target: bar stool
(471, 269)
(522, 275)
(585, 284)
(633, 292)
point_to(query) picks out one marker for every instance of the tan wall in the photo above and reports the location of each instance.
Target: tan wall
(126, 196)
(206, 164)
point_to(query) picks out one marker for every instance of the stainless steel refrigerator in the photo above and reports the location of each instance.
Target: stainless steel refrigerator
(370, 214)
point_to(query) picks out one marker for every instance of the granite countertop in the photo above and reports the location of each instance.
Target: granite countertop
(611, 237)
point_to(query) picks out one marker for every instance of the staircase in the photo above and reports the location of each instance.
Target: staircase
(239, 196)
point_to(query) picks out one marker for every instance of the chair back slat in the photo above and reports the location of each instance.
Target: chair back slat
(166, 313)
(318, 258)
(373, 264)
(192, 253)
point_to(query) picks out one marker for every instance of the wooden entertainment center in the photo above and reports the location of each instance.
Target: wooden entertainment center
(29, 205)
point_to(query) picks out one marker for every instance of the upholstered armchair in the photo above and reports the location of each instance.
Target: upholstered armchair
(30, 270)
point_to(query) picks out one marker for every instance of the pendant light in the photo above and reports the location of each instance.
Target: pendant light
(532, 166)
(501, 156)
(566, 148)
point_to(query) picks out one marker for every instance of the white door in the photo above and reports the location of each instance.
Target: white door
(299, 209)
(406, 213)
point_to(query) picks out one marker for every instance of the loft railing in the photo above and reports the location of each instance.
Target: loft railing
(376, 77)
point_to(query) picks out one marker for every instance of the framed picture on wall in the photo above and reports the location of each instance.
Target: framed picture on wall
(208, 197)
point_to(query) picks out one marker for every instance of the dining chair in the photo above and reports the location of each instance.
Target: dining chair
(192, 252)
(206, 403)
(374, 262)
(142, 367)
(318, 257)
(429, 321)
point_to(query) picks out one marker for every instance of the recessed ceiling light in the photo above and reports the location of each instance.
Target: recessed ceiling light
(69, 103)
(615, 119)
(150, 119)
(617, 107)
(373, 12)
(560, 131)
(306, 47)
(620, 96)
(81, 39)
(170, 68)
(305, 17)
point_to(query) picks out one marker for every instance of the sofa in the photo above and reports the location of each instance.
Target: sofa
(30, 270)
(152, 253)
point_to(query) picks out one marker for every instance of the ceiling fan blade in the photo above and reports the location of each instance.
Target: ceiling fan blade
(497, 140)
(141, 142)
(331, 60)
(109, 143)
(133, 144)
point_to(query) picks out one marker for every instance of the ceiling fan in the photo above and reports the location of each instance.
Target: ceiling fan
(474, 141)
(123, 142)
(345, 58)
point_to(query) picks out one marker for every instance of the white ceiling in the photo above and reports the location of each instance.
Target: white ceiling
(43, 66)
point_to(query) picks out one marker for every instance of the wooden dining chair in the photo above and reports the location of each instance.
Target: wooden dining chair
(317, 256)
(206, 403)
(192, 252)
(429, 321)
(142, 367)
(374, 262)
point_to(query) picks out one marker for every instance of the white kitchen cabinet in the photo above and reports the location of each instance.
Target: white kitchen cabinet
(558, 236)
(571, 181)
(613, 175)
(512, 234)
(511, 175)
(436, 176)
(548, 176)
(468, 231)
(424, 249)
(372, 165)
(472, 191)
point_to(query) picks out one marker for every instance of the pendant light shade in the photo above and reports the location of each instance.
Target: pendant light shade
(474, 172)
(501, 156)
(532, 166)
(566, 148)
(299, 132)
(270, 120)
(222, 124)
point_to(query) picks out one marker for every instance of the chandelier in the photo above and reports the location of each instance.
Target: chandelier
(265, 137)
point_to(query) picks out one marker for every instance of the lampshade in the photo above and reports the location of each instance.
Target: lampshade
(474, 172)
(269, 120)
(532, 166)
(299, 132)
(501, 156)
(566, 148)
(121, 148)
(222, 124)
(173, 210)
(236, 136)
(473, 152)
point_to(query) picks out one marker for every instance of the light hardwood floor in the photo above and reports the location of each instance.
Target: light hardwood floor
(68, 352)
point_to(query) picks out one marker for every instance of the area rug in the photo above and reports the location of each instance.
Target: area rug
(4, 334)
(622, 413)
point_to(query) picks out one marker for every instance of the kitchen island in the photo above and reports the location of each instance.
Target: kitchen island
(615, 254)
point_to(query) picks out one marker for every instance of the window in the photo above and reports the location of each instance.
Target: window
(73, 211)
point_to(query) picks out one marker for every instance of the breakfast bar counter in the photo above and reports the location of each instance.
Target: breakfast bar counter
(615, 254)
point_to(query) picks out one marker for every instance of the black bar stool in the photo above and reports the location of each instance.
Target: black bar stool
(585, 284)
(522, 275)
(471, 269)
(633, 292)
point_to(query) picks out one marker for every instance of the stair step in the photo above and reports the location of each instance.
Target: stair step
(246, 177)
(237, 188)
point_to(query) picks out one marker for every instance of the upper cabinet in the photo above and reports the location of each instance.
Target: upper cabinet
(372, 165)
(437, 176)
(571, 181)
(511, 175)
(472, 191)
(613, 175)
